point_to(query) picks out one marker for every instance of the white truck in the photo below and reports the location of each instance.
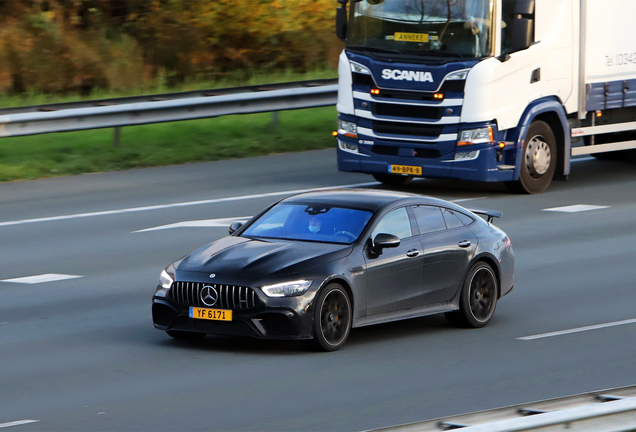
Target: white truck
(484, 90)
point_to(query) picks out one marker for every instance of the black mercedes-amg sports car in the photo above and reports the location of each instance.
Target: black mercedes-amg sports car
(316, 265)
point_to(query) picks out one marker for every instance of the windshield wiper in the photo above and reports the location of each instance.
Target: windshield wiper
(373, 49)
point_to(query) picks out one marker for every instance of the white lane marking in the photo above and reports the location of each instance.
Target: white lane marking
(466, 199)
(49, 277)
(181, 204)
(17, 423)
(579, 329)
(576, 208)
(209, 223)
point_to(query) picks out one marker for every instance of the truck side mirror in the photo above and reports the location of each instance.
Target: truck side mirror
(522, 31)
(341, 23)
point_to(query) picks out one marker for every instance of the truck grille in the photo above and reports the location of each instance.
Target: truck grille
(413, 111)
(413, 129)
(228, 296)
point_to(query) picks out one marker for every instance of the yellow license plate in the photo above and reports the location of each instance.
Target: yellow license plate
(211, 314)
(411, 37)
(405, 169)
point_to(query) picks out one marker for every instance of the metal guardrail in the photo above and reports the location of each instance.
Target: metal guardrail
(131, 111)
(603, 411)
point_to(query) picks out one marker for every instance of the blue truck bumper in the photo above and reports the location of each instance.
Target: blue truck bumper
(485, 167)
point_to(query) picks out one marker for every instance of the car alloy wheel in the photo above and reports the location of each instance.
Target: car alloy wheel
(478, 298)
(332, 318)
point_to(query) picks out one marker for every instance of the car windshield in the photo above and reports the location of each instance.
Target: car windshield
(423, 28)
(310, 222)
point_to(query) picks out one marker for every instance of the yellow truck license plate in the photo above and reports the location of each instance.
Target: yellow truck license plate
(211, 314)
(404, 169)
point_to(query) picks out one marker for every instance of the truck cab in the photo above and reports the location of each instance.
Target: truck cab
(478, 90)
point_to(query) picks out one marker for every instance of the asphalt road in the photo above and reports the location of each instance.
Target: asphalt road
(81, 354)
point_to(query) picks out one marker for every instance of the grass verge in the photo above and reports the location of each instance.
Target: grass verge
(70, 153)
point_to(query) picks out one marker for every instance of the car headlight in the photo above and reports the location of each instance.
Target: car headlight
(347, 128)
(457, 75)
(476, 136)
(166, 279)
(287, 289)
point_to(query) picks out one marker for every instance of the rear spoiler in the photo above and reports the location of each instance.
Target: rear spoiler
(491, 214)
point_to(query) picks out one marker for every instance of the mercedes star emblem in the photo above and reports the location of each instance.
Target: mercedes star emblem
(212, 276)
(209, 296)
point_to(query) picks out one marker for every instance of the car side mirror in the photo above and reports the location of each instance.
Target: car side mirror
(384, 241)
(235, 227)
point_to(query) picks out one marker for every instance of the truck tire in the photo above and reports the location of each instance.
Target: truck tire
(392, 179)
(539, 160)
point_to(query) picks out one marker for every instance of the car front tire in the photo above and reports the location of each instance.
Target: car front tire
(333, 316)
(539, 160)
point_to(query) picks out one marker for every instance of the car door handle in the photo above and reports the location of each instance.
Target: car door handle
(412, 253)
(464, 243)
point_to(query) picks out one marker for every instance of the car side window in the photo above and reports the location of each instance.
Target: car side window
(467, 220)
(429, 219)
(452, 221)
(396, 222)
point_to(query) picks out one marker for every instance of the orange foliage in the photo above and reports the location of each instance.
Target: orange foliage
(75, 45)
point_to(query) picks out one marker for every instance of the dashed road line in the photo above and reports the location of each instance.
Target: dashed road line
(17, 423)
(48, 277)
(575, 208)
(578, 330)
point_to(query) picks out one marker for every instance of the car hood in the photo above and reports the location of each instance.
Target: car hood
(236, 258)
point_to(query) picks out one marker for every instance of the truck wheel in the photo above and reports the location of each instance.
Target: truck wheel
(392, 180)
(539, 160)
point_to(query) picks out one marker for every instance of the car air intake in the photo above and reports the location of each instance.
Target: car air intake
(226, 296)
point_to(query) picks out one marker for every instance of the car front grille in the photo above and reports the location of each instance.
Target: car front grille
(228, 296)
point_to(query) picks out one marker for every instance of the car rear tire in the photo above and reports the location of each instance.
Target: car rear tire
(392, 180)
(478, 298)
(539, 160)
(185, 336)
(333, 316)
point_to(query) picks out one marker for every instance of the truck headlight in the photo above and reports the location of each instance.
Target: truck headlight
(457, 75)
(348, 147)
(287, 289)
(358, 68)
(347, 128)
(476, 136)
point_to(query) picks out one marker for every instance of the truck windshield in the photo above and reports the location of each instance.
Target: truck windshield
(428, 28)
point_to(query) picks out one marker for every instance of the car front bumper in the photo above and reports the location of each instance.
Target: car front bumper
(288, 318)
